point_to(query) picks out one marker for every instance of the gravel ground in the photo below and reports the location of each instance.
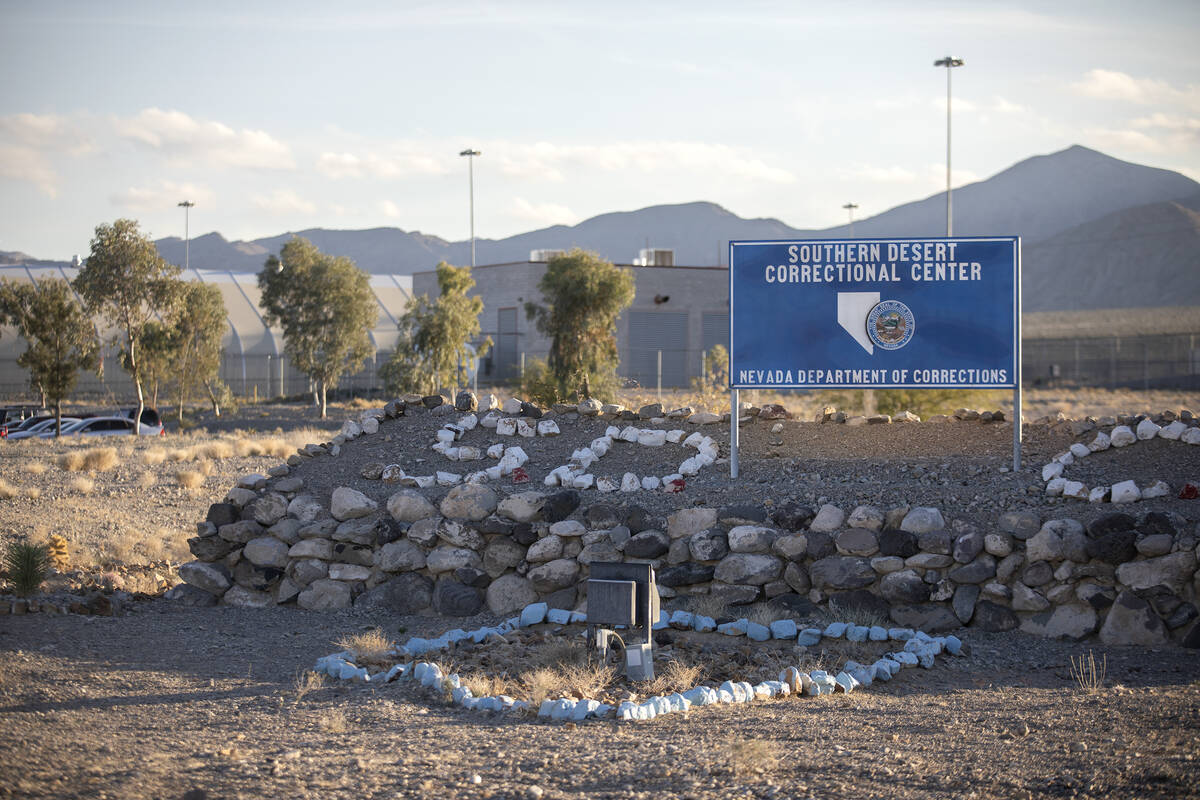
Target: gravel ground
(168, 700)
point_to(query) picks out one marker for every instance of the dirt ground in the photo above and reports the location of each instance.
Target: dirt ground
(169, 700)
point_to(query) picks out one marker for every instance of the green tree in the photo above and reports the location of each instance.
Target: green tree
(61, 337)
(434, 336)
(199, 325)
(584, 295)
(326, 309)
(127, 282)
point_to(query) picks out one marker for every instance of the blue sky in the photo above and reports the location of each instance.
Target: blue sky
(275, 116)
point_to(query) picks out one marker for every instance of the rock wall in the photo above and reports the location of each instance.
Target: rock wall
(1128, 579)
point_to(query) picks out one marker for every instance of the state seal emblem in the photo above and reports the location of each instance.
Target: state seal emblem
(890, 324)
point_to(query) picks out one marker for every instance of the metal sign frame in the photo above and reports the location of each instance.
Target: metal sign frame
(997, 305)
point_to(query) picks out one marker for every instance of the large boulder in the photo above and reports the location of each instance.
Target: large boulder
(923, 519)
(210, 548)
(905, 587)
(841, 572)
(242, 597)
(212, 578)
(347, 503)
(501, 554)
(455, 533)
(927, 617)
(1174, 571)
(269, 508)
(408, 593)
(793, 516)
(1131, 620)
(400, 556)
(448, 559)
(522, 506)
(1115, 547)
(367, 531)
(895, 542)
(751, 539)
(453, 599)
(409, 505)
(690, 521)
(554, 575)
(983, 568)
(1072, 621)
(709, 545)
(993, 617)
(559, 506)
(647, 545)
(241, 531)
(686, 574)
(325, 595)
(545, 549)
(748, 568)
(510, 593)
(469, 501)
(859, 541)
(266, 551)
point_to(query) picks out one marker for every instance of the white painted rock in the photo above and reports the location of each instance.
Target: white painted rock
(1146, 429)
(1075, 489)
(1065, 458)
(583, 481)
(525, 429)
(511, 406)
(630, 434)
(448, 478)
(1080, 450)
(1098, 494)
(1125, 492)
(547, 427)
(606, 484)
(469, 422)
(630, 483)
(495, 451)
(490, 420)
(651, 482)
(1051, 471)
(1121, 436)
(675, 436)
(506, 426)
(1055, 487)
(1156, 489)
(1191, 436)
(1101, 442)
(1172, 431)
(652, 438)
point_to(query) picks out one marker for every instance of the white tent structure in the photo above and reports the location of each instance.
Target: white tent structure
(254, 363)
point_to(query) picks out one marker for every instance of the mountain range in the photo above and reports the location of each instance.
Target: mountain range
(1097, 232)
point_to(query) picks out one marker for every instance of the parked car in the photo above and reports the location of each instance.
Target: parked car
(149, 415)
(12, 417)
(43, 427)
(111, 426)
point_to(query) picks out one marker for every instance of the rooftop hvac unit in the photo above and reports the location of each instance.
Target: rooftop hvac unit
(655, 257)
(545, 255)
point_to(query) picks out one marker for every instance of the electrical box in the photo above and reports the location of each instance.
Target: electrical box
(612, 603)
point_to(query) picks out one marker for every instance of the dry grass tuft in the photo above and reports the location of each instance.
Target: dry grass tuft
(750, 756)
(180, 454)
(307, 681)
(541, 683)
(763, 614)
(154, 456)
(190, 478)
(217, 450)
(853, 616)
(82, 485)
(1088, 674)
(674, 677)
(33, 492)
(148, 479)
(7, 490)
(370, 647)
(333, 721)
(707, 605)
(35, 468)
(483, 685)
(96, 459)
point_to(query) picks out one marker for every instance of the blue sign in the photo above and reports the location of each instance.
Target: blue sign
(875, 313)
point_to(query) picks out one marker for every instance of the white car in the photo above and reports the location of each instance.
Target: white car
(43, 429)
(111, 426)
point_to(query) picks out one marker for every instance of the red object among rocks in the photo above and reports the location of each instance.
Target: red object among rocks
(519, 475)
(676, 485)
(1190, 492)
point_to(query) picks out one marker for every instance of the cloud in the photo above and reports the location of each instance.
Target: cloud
(543, 213)
(183, 138)
(1168, 122)
(163, 195)
(390, 210)
(1123, 139)
(28, 143)
(283, 202)
(1107, 84)
(406, 159)
(893, 174)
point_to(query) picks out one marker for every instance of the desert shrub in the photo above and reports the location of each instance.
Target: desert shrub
(154, 456)
(26, 565)
(307, 681)
(368, 647)
(675, 676)
(7, 490)
(95, 459)
(750, 755)
(35, 468)
(82, 485)
(1088, 674)
(707, 605)
(537, 384)
(190, 478)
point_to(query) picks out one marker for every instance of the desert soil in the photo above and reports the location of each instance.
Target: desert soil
(167, 699)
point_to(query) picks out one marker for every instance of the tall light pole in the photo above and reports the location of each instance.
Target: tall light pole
(470, 154)
(949, 62)
(850, 207)
(186, 205)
